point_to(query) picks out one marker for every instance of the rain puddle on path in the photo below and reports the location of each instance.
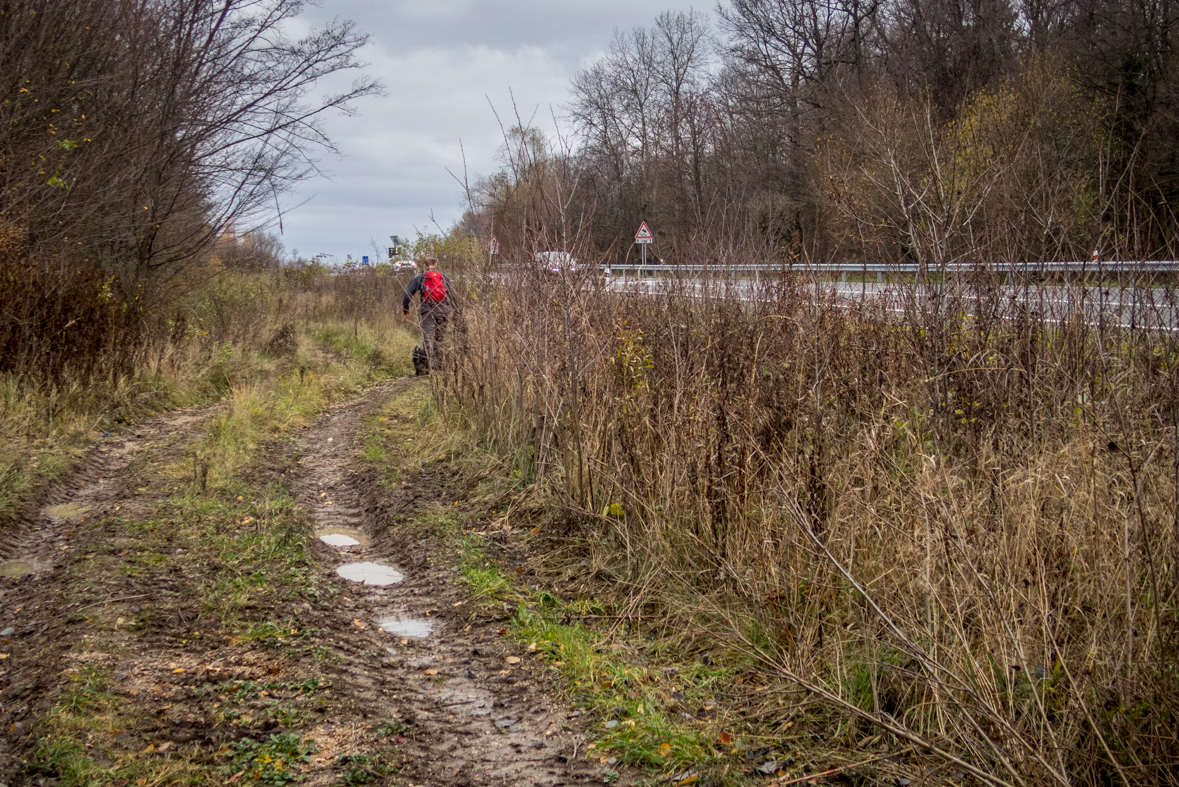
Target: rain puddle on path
(407, 627)
(17, 568)
(370, 573)
(343, 536)
(65, 511)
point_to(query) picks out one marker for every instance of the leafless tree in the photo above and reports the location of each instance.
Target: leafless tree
(167, 120)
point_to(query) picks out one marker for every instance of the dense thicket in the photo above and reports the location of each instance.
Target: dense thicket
(133, 131)
(883, 130)
(132, 134)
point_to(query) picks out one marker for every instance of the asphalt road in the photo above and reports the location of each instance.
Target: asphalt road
(1134, 308)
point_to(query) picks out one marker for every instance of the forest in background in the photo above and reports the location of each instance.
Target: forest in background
(919, 131)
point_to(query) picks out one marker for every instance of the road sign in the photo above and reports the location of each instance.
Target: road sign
(494, 245)
(644, 234)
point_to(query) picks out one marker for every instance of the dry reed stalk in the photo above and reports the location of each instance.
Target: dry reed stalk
(958, 471)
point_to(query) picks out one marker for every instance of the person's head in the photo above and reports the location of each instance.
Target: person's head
(428, 262)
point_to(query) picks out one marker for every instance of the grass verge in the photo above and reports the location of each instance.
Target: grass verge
(657, 692)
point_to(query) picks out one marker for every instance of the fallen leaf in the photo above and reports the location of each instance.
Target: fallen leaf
(512, 659)
(531, 646)
(430, 672)
(247, 520)
(358, 623)
(405, 640)
(4, 655)
(726, 738)
(457, 604)
(178, 670)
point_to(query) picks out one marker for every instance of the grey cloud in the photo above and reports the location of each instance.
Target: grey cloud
(442, 62)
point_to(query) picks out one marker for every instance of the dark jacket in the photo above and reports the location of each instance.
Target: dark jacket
(418, 286)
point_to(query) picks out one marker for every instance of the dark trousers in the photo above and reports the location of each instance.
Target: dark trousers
(434, 331)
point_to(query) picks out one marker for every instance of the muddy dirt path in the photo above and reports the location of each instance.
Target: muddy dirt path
(478, 711)
(452, 704)
(36, 556)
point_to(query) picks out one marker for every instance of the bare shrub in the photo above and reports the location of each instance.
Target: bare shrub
(60, 328)
(948, 511)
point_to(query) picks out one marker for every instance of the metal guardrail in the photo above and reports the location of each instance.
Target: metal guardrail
(1008, 269)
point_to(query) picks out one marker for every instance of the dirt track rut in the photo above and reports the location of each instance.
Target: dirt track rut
(478, 713)
(466, 711)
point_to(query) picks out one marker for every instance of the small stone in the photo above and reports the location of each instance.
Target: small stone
(8, 632)
(611, 724)
(503, 724)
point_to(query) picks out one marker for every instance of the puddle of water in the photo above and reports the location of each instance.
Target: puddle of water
(65, 511)
(338, 540)
(407, 627)
(340, 536)
(16, 568)
(370, 573)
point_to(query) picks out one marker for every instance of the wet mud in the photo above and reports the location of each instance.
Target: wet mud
(406, 652)
(481, 714)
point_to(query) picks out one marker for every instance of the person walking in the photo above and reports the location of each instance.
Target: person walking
(435, 290)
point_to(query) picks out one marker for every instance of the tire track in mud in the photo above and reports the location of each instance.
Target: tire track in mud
(33, 544)
(36, 551)
(474, 714)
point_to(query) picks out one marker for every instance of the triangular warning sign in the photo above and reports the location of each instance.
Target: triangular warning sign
(644, 232)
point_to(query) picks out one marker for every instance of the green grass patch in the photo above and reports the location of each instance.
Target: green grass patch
(77, 742)
(274, 761)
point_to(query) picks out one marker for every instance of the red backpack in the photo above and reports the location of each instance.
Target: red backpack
(435, 287)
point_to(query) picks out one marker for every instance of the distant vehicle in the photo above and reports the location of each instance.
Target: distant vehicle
(404, 265)
(557, 262)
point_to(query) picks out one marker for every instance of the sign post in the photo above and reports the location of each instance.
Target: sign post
(494, 245)
(643, 237)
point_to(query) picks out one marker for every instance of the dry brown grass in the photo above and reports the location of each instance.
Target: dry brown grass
(74, 358)
(958, 529)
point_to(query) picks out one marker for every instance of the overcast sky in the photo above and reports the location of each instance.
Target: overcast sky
(444, 65)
